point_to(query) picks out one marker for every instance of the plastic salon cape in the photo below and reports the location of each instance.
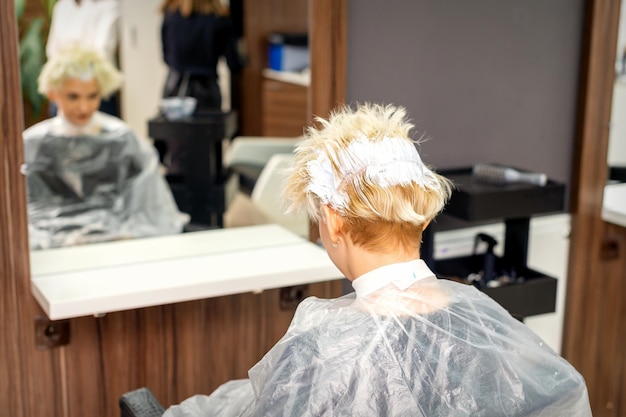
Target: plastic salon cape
(95, 183)
(406, 344)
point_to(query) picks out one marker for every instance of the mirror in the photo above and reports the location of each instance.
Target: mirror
(614, 200)
(328, 51)
(140, 50)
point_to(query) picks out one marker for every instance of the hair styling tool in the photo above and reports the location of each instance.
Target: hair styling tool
(499, 175)
(489, 258)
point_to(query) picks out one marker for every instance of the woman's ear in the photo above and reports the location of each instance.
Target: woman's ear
(332, 221)
(51, 96)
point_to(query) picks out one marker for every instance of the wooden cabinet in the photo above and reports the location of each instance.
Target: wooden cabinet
(260, 19)
(284, 108)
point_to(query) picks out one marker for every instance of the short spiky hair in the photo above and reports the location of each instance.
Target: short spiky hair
(79, 62)
(405, 208)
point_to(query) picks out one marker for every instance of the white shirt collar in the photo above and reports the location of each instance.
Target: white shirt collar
(62, 126)
(402, 275)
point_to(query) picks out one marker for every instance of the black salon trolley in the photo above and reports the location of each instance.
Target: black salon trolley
(474, 203)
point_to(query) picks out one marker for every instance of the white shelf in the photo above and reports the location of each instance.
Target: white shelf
(299, 78)
(114, 276)
(614, 204)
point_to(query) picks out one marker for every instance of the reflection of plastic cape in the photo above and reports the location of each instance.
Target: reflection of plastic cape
(436, 348)
(91, 188)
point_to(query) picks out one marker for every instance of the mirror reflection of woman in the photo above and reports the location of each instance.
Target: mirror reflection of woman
(90, 178)
(195, 34)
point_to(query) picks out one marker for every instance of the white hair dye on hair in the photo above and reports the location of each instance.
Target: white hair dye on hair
(387, 162)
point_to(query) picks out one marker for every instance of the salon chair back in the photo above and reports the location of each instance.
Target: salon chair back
(267, 195)
(140, 403)
(247, 156)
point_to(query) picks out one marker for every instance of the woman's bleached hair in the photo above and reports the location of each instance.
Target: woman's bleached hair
(82, 63)
(363, 163)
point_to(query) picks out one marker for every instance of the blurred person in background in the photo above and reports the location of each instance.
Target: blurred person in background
(195, 34)
(91, 23)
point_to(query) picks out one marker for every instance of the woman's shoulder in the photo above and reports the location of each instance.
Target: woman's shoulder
(38, 130)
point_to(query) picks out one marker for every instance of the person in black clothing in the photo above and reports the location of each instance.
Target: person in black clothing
(195, 34)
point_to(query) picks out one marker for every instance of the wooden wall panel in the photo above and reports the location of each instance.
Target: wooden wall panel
(260, 19)
(176, 350)
(604, 362)
(595, 323)
(29, 385)
(284, 109)
(328, 39)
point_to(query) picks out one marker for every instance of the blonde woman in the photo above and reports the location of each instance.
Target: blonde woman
(90, 178)
(404, 343)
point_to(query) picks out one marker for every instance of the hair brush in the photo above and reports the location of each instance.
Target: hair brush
(499, 175)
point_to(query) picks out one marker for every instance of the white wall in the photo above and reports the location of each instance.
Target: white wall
(141, 62)
(548, 252)
(616, 155)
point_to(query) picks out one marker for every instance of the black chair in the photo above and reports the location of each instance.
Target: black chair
(140, 403)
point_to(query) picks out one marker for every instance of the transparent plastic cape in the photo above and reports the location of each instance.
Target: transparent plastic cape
(85, 188)
(436, 348)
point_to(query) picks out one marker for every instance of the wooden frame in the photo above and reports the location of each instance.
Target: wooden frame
(595, 317)
(328, 34)
(17, 306)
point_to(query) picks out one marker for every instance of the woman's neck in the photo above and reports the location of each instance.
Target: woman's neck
(360, 260)
(62, 126)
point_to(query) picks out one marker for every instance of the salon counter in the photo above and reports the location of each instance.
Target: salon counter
(106, 277)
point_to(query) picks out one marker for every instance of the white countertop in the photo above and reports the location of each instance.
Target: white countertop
(105, 277)
(614, 204)
(299, 78)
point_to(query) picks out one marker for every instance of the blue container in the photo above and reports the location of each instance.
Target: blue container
(288, 52)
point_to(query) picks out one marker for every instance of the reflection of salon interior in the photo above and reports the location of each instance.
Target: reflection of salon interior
(502, 89)
(267, 101)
